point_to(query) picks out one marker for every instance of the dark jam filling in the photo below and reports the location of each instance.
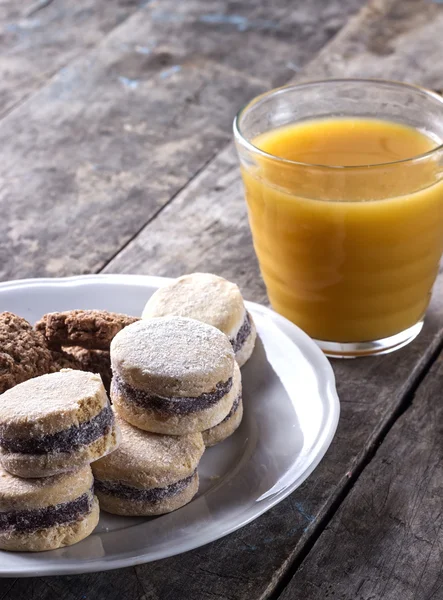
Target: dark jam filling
(233, 410)
(121, 490)
(176, 405)
(242, 335)
(64, 441)
(41, 518)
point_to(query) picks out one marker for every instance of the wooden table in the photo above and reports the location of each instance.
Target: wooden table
(116, 155)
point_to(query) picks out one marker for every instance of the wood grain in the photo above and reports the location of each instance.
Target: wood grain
(205, 228)
(91, 157)
(38, 38)
(77, 140)
(385, 541)
(392, 39)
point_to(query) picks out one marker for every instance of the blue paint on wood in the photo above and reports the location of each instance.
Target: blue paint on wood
(240, 22)
(168, 72)
(130, 84)
(143, 50)
(293, 66)
(301, 510)
(164, 16)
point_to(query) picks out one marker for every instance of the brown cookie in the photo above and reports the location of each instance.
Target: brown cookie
(63, 360)
(94, 361)
(92, 329)
(23, 352)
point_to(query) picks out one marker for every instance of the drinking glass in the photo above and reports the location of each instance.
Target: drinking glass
(348, 253)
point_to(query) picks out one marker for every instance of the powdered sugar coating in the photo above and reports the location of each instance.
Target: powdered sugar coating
(65, 440)
(172, 356)
(202, 296)
(149, 418)
(50, 538)
(50, 403)
(178, 405)
(48, 516)
(53, 463)
(148, 460)
(17, 493)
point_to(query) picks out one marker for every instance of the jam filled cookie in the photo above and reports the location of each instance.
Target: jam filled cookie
(223, 430)
(173, 375)
(55, 423)
(23, 352)
(212, 300)
(92, 329)
(149, 474)
(48, 513)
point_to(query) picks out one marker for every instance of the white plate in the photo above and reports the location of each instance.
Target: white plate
(291, 413)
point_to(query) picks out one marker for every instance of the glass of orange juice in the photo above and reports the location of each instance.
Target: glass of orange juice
(344, 187)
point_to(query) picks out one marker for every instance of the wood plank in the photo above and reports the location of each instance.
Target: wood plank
(115, 135)
(394, 40)
(385, 540)
(44, 113)
(38, 38)
(218, 209)
(114, 585)
(205, 228)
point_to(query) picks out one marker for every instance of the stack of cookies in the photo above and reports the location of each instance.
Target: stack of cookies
(51, 428)
(175, 390)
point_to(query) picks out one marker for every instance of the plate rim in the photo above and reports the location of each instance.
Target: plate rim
(106, 564)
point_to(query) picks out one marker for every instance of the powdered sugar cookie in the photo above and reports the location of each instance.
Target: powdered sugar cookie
(149, 474)
(173, 375)
(212, 300)
(55, 423)
(47, 513)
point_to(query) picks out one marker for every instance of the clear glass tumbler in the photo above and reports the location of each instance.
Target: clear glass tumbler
(347, 252)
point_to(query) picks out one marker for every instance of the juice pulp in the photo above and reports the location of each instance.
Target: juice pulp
(349, 255)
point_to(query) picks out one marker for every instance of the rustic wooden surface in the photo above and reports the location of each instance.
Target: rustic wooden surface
(386, 539)
(39, 37)
(122, 162)
(118, 132)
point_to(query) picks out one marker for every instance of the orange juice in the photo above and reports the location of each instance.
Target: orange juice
(348, 254)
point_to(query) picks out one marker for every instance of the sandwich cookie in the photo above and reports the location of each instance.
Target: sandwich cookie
(212, 300)
(47, 513)
(55, 423)
(173, 375)
(226, 428)
(149, 474)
